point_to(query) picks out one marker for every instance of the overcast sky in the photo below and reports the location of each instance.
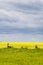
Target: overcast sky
(21, 20)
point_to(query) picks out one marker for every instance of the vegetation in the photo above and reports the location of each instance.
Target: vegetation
(23, 44)
(36, 46)
(8, 46)
(21, 56)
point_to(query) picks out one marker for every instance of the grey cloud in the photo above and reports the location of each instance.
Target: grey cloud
(12, 30)
(28, 15)
(37, 6)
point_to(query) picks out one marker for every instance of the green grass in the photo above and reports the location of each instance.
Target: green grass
(11, 56)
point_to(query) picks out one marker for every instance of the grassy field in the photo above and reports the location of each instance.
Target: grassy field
(20, 56)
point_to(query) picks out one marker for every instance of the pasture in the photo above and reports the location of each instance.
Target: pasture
(21, 56)
(21, 53)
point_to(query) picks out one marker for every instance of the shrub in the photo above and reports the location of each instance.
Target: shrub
(36, 46)
(25, 47)
(21, 47)
(8, 46)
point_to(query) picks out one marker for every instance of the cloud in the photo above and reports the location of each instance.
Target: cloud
(13, 30)
(21, 17)
(21, 37)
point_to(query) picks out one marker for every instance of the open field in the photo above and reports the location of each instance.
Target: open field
(14, 56)
(21, 53)
(19, 44)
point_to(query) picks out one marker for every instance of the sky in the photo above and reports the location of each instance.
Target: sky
(21, 20)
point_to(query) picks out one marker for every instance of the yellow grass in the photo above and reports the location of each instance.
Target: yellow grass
(19, 44)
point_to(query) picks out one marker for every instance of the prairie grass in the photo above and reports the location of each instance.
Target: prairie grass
(21, 56)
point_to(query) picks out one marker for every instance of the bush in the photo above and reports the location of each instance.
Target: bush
(8, 46)
(36, 46)
(25, 47)
(21, 47)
